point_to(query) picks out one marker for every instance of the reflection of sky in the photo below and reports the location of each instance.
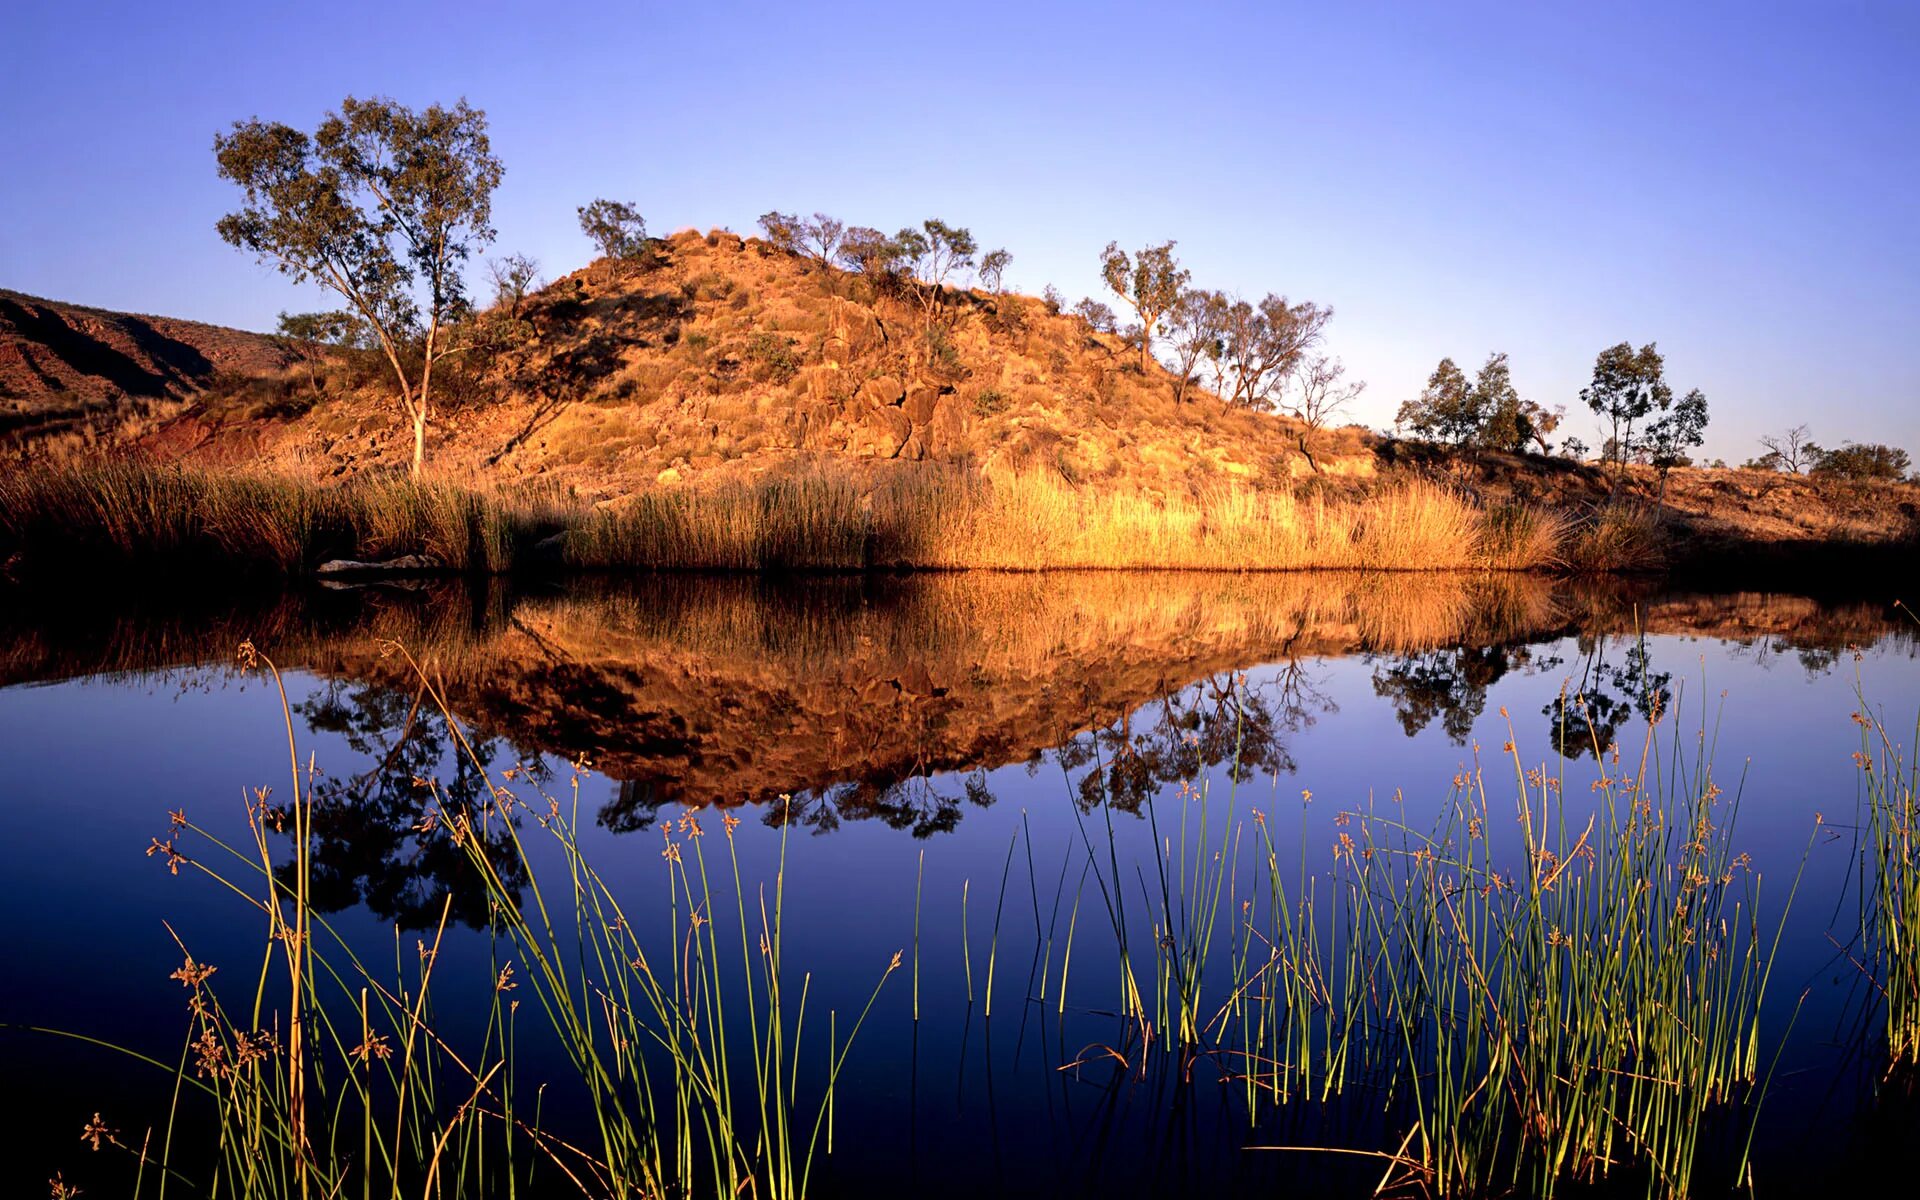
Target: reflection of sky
(93, 767)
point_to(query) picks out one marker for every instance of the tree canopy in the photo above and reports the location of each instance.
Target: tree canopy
(381, 203)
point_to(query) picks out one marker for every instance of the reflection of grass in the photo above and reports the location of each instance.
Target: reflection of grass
(1558, 1007)
(327, 1077)
(1892, 911)
(815, 517)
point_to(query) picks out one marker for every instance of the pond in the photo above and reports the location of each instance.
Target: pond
(1003, 778)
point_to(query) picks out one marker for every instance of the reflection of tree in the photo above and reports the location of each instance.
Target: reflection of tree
(1450, 685)
(376, 839)
(1585, 718)
(1219, 720)
(913, 802)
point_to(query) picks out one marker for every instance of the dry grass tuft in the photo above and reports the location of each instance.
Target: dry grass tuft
(133, 515)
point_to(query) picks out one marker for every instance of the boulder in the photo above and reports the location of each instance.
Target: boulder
(882, 390)
(406, 564)
(885, 431)
(920, 402)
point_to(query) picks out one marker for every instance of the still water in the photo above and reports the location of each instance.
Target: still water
(939, 742)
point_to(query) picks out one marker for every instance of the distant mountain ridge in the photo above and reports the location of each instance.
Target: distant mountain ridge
(61, 362)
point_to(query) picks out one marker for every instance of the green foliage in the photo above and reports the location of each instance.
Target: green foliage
(993, 268)
(338, 327)
(1196, 325)
(1262, 345)
(1151, 281)
(1449, 410)
(1682, 428)
(989, 401)
(776, 356)
(383, 205)
(782, 231)
(615, 228)
(1098, 316)
(1628, 386)
(868, 251)
(1488, 412)
(1861, 461)
(943, 357)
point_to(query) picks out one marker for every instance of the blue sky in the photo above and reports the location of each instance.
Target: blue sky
(1735, 181)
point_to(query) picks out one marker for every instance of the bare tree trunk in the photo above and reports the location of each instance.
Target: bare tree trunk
(419, 440)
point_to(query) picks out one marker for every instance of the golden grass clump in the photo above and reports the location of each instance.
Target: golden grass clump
(132, 514)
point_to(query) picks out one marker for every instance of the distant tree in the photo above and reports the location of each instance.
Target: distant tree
(1448, 410)
(1628, 386)
(1862, 461)
(1098, 316)
(1506, 421)
(1680, 429)
(616, 229)
(993, 268)
(1574, 449)
(1150, 281)
(1195, 325)
(513, 276)
(820, 239)
(1770, 461)
(382, 204)
(782, 231)
(1792, 451)
(868, 251)
(304, 333)
(1053, 300)
(932, 254)
(1322, 391)
(1261, 346)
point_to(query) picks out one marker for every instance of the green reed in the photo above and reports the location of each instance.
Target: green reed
(331, 1079)
(1891, 912)
(1554, 1004)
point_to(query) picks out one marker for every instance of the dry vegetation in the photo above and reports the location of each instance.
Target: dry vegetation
(82, 522)
(719, 403)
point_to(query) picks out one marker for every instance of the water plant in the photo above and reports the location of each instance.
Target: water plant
(1564, 1006)
(329, 1076)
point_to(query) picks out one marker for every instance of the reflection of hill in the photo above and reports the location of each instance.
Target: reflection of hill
(722, 690)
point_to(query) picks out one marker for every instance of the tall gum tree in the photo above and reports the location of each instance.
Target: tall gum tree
(384, 205)
(1151, 281)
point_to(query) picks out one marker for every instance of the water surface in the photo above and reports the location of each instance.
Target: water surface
(920, 727)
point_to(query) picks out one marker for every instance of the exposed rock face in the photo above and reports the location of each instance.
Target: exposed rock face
(59, 361)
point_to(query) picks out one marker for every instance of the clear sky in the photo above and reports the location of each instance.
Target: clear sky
(1738, 182)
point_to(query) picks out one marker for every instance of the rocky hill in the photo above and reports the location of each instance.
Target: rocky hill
(66, 366)
(717, 358)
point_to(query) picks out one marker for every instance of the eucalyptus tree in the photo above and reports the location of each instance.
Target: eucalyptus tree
(1449, 409)
(513, 276)
(1151, 281)
(1628, 386)
(382, 204)
(1195, 326)
(1263, 344)
(993, 269)
(304, 332)
(931, 255)
(615, 228)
